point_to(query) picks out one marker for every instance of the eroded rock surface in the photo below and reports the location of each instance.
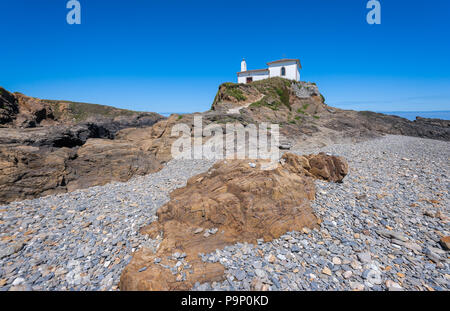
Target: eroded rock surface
(234, 201)
(304, 117)
(49, 147)
(320, 166)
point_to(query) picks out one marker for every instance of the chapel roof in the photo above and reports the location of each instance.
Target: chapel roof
(285, 60)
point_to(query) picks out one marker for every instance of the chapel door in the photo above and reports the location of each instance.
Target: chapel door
(249, 79)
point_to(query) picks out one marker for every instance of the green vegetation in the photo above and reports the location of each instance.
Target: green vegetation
(323, 98)
(180, 117)
(368, 113)
(265, 103)
(82, 111)
(275, 90)
(316, 117)
(230, 84)
(283, 93)
(236, 93)
(233, 90)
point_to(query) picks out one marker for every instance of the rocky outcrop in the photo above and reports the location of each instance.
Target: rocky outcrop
(83, 155)
(301, 111)
(44, 150)
(319, 166)
(100, 161)
(20, 111)
(28, 172)
(372, 122)
(235, 201)
(47, 160)
(8, 107)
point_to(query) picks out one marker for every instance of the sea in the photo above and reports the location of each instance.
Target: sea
(410, 115)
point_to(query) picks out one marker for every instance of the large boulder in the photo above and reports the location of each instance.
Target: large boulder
(100, 161)
(27, 172)
(235, 201)
(320, 166)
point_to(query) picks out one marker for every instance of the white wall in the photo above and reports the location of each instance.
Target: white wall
(292, 70)
(242, 77)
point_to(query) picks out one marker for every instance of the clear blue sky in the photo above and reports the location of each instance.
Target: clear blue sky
(168, 56)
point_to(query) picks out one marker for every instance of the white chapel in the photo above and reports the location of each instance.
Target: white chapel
(285, 68)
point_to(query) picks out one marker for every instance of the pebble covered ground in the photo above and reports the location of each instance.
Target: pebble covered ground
(82, 240)
(380, 231)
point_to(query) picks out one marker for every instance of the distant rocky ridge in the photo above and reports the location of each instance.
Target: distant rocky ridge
(49, 147)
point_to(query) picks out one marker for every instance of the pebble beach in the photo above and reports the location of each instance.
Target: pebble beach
(380, 228)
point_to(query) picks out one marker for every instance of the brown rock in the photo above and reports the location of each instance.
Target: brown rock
(27, 172)
(258, 285)
(8, 107)
(242, 202)
(302, 111)
(445, 242)
(100, 161)
(321, 166)
(326, 271)
(40, 144)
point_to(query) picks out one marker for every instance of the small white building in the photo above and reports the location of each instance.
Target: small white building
(284, 68)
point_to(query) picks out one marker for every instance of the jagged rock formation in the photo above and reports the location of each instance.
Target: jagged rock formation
(49, 147)
(301, 111)
(8, 106)
(320, 166)
(28, 171)
(232, 202)
(20, 111)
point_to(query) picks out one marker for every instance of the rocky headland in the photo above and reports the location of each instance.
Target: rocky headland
(49, 147)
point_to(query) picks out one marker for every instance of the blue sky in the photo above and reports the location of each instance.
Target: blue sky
(169, 56)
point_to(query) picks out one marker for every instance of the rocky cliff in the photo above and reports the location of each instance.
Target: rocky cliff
(304, 117)
(49, 147)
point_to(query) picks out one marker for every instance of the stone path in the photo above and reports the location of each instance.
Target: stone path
(237, 109)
